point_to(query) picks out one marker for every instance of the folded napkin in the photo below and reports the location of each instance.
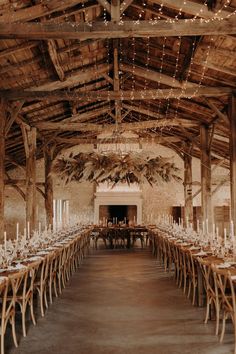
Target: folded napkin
(224, 265)
(18, 266)
(34, 258)
(3, 279)
(42, 253)
(201, 253)
(193, 248)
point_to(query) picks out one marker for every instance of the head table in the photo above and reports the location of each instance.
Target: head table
(115, 235)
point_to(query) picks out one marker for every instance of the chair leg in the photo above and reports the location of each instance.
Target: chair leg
(23, 321)
(41, 303)
(223, 327)
(13, 327)
(2, 336)
(208, 306)
(217, 307)
(32, 311)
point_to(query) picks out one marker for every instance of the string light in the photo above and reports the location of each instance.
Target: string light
(133, 67)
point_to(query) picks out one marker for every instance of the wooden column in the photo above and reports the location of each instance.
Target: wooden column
(30, 149)
(206, 175)
(48, 159)
(2, 167)
(232, 154)
(188, 195)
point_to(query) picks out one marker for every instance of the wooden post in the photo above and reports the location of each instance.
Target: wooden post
(232, 154)
(48, 159)
(188, 195)
(206, 175)
(2, 167)
(30, 145)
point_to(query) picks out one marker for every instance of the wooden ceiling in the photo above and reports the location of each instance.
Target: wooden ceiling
(74, 69)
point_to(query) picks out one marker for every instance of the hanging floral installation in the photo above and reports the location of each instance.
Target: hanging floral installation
(132, 167)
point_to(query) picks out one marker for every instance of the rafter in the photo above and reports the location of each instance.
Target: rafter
(111, 127)
(217, 111)
(74, 79)
(116, 30)
(105, 4)
(60, 95)
(52, 50)
(156, 140)
(155, 76)
(125, 4)
(191, 8)
(80, 117)
(39, 10)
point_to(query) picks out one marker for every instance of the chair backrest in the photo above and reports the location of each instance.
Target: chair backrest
(208, 277)
(18, 283)
(3, 295)
(222, 278)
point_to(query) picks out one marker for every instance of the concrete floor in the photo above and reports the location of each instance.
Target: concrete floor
(121, 301)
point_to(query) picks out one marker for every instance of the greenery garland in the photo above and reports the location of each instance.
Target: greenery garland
(130, 168)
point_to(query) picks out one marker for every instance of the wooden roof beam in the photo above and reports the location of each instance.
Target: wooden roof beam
(74, 79)
(157, 140)
(36, 11)
(60, 95)
(116, 30)
(155, 76)
(105, 4)
(111, 127)
(17, 48)
(52, 50)
(125, 4)
(191, 8)
(220, 115)
(80, 117)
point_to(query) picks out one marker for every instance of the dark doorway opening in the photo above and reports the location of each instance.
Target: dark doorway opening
(117, 213)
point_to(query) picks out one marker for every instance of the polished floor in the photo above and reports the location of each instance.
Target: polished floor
(121, 302)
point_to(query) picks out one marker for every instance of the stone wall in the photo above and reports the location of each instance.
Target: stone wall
(156, 200)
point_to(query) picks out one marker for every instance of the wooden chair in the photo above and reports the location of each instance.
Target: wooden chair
(225, 282)
(17, 285)
(192, 275)
(212, 292)
(7, 313)
(41, 282)
(52, 280)
(24, 295)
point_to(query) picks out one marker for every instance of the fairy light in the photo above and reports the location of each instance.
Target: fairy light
(147, 68)
(174, 76)
(85, 13)
(160, 73)
(184, 85)
(204, 68)
(133, 66)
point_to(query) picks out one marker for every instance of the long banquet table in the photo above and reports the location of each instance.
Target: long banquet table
(205, 274)
(44, 271)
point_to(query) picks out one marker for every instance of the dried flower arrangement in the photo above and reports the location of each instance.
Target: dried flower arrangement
(112, 167)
